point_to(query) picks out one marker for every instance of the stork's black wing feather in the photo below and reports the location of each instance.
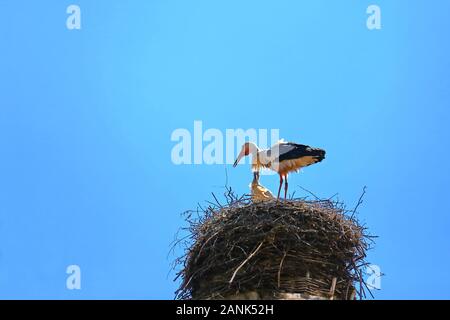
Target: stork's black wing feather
(300, 150)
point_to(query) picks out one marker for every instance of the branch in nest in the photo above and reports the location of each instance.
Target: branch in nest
(245, 261)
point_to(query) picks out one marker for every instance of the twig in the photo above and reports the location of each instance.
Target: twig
(226, 178)
(215, 198)
(360, 201)
(279, 269)
(245, 261)
(317, 198)
(333, 288)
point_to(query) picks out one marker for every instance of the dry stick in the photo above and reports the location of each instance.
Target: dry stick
(346, 291)
(189, 281)
(361, 290)
(334, 195)
(360, 201)
(333, 288)
(245, 261)
(215, 198)
(317, 198)
(206, 242)
(212, 206)
(279, 269)
(368, 289)
(226, 178)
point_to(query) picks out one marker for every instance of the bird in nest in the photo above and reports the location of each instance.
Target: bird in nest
(283, 158)
(259, 192)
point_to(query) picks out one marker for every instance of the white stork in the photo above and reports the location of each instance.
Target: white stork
(283, 158)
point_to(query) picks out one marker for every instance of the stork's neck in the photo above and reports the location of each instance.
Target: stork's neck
(253, 148)
(254, 151)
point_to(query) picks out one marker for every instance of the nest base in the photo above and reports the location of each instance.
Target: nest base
(296, 250)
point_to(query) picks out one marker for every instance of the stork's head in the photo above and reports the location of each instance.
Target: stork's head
(247, 148)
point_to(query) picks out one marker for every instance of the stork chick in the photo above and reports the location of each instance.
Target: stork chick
(283, 158)
(259, 192)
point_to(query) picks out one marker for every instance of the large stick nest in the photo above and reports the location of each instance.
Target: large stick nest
(313, 248)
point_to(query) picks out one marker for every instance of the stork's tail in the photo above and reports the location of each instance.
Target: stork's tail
(318, 154)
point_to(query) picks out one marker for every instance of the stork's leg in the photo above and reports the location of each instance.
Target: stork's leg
(285, 187)
(279, 189)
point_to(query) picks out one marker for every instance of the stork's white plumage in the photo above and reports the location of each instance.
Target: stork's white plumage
(283, 158)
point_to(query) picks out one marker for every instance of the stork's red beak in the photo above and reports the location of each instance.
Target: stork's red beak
(238, 159)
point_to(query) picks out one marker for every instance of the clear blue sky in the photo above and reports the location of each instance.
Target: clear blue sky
(86, 117)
